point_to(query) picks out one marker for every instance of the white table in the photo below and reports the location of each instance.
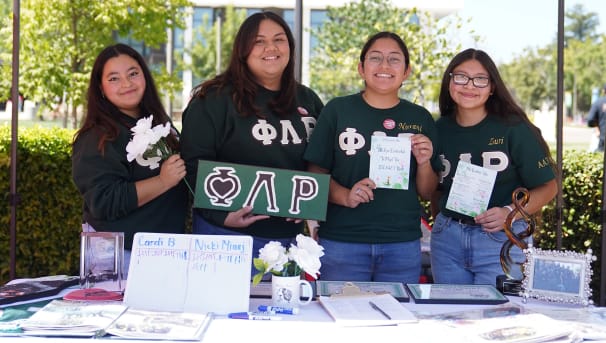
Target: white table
(314, 324)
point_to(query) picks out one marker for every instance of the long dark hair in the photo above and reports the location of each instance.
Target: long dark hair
(240, 77)
(500, 103)
(103, 115)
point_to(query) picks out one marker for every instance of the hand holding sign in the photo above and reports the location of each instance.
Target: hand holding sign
(269, 191)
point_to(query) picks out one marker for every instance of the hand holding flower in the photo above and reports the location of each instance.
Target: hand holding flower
(148, 147)
(172, 171)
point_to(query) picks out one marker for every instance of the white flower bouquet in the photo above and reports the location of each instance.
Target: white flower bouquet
(280, 261)
(148, 146)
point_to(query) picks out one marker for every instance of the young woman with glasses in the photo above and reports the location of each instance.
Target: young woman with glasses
(482, 124)
(371, 233)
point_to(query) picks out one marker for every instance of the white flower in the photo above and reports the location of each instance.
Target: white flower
(310, 245)
(136, 147)
(147, 146)
(278, 260)
(143, 125)
(162, 131)
(273, 255)
(151, 162)
(307, 254)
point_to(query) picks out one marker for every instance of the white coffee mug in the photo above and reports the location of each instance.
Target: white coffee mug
(286, 291)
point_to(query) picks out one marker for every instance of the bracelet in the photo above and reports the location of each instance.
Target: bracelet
(509, 208)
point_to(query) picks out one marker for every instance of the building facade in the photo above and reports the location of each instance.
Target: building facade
(312, 16)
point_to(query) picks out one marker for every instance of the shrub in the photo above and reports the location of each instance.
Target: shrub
(582, 177)
(49, 208)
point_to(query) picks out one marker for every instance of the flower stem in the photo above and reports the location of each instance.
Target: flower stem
(189, 187)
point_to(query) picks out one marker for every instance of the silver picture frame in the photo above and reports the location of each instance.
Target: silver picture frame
(557, 276)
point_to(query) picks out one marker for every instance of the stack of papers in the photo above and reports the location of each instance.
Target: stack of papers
(96, 319)
(367, 310)
(160, 325)
(514, 329)
(72, 318)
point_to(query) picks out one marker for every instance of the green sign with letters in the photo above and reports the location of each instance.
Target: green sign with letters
(271, 191)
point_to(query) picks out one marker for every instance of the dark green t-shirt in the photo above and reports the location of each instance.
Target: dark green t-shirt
(341, 143)
(107, 184)
(214, 130)
(511, 149)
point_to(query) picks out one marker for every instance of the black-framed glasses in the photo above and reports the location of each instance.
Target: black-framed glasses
(462, 80)
(393, 59)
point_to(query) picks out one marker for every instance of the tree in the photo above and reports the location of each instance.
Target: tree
(340, 39)
(204, 51)
(60, 40)
(581, 25)
(584, 63)
(6, 6)
(531, 77)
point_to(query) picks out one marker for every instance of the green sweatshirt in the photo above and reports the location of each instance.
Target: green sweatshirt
(107, 184)
(214, 130)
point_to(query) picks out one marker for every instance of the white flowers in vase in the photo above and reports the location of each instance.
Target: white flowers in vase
(280, 261)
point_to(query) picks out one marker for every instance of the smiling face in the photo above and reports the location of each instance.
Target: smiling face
(384, 68)
(123, 84)
(470, 98)
(270, 55)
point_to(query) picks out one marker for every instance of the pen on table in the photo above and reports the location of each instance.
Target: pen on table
(252, 316)
(374, 306)
(278, 309)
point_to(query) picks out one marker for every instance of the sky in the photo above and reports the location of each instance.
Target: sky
(512, 25)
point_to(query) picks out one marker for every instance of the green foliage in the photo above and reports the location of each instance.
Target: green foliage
(340, 40)
(59, 41)
(582, 176)
(532, 76)
(581, 25)
(204, 50)
(50, 208)
(49, 211)
(584, 63)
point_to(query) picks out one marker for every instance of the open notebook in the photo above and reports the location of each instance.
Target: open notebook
(367, 310)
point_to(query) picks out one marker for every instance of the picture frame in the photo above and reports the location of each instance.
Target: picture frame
(396, 289)
(455, 294)
(557, 276)
(102, 260)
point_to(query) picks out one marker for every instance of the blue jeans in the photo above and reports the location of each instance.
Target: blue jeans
(201, 227)
(465, 254)
(393, 262)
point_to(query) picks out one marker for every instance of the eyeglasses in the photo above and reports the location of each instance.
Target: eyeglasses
(462, 80)
(393, 59)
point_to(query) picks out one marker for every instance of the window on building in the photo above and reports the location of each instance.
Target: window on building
(318, 17)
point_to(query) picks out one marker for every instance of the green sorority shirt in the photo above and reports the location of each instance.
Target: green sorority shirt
(107, 184)
(341, 144)
(511, 149)
(214, 130)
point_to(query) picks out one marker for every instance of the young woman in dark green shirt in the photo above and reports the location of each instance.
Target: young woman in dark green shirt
(254, 113)
(119, 195)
